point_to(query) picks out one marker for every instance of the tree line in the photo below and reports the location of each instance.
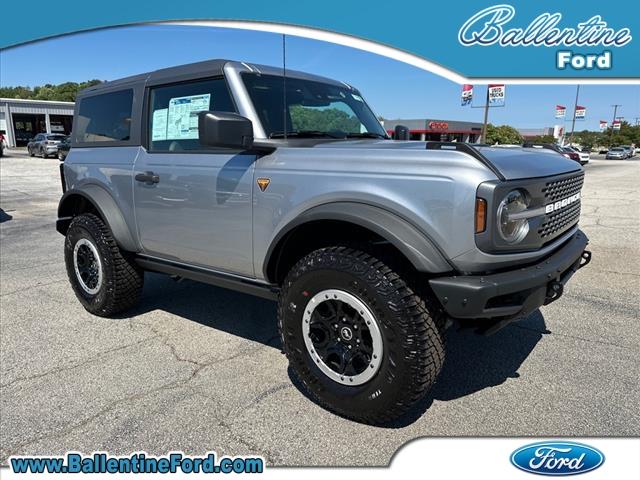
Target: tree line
(63, 92)
(627, 135)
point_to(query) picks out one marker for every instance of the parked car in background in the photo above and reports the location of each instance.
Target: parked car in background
(1, 144)
(63, 148)
(552, 146)
(45, 144)
(616, 153)
(629, 150)
(584, 156)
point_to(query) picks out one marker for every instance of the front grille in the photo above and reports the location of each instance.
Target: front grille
(563, 188)
(561, 220)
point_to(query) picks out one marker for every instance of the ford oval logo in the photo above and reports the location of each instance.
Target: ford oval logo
(557, 458)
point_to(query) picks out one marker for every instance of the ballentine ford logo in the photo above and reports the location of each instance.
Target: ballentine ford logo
(557, 458)
(489, 27)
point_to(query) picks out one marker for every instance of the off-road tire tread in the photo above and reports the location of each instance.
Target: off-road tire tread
(128, 278)
(422, 326)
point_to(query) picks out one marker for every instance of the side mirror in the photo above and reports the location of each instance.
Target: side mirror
(401, 133)
(225, 130)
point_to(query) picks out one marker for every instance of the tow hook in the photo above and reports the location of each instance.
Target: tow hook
(585, 259)
(554, 292)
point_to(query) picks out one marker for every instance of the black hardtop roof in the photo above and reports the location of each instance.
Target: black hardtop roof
(177, 73)
(192, 71)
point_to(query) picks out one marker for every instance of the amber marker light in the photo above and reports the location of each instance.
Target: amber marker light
(481, 215)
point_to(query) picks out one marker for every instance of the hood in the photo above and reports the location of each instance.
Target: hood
(513, 163)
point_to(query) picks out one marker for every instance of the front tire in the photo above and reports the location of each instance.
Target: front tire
(387, 349)
(105, 279)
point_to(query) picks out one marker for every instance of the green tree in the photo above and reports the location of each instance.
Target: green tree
(543, 139)
(627, 135)
(65, 92)
(502, 134)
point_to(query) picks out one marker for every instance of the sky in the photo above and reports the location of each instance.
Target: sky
(392, 88)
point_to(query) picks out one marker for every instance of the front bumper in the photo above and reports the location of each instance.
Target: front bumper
(515, 293)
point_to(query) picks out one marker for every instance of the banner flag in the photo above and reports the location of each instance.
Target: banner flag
(561, 110)
(581, 112)
(617, 124)
(603, 124)
(496, 95)
(467, 94)
(558, 131)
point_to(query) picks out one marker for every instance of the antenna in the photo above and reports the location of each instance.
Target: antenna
(284, 85)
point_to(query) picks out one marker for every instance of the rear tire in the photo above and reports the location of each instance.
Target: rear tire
(409, 357)
(105, 279)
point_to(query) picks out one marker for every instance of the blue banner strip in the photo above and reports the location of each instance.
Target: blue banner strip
(476, 39)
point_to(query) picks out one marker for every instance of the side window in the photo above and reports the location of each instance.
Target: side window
(173, 113)
(105, 118)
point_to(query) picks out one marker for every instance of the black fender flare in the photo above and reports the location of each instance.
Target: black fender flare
(104, 203)
(420, 250)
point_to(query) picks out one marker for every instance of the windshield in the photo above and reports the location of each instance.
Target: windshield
(313, 109)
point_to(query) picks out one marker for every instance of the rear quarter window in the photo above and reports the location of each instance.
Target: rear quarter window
(105, 118)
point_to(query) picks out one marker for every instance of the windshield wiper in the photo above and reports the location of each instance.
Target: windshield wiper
(305, 133)
(367, 135)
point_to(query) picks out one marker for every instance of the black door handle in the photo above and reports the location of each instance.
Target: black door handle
(147, 177)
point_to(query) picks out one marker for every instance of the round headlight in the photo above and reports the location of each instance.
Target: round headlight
(513, 230)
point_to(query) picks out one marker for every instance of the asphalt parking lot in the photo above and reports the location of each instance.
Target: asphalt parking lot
(197, 368)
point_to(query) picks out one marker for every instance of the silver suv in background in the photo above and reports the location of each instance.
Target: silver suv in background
(616, 153)
(45, 144)
(290, 189)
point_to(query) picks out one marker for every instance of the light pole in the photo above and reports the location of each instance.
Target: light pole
(615, 111)
(573, 122)
(486, 117)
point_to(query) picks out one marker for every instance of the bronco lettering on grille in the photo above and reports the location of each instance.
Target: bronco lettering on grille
(552, 207)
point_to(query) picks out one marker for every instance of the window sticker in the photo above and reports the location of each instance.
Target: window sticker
(182, 118)
(159, 125)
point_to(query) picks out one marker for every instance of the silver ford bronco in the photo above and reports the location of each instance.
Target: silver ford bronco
(285, 185)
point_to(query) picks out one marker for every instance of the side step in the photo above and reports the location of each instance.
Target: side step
(219, 279)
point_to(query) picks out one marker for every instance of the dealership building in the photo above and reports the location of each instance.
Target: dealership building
(438, 130)
(21, 120)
